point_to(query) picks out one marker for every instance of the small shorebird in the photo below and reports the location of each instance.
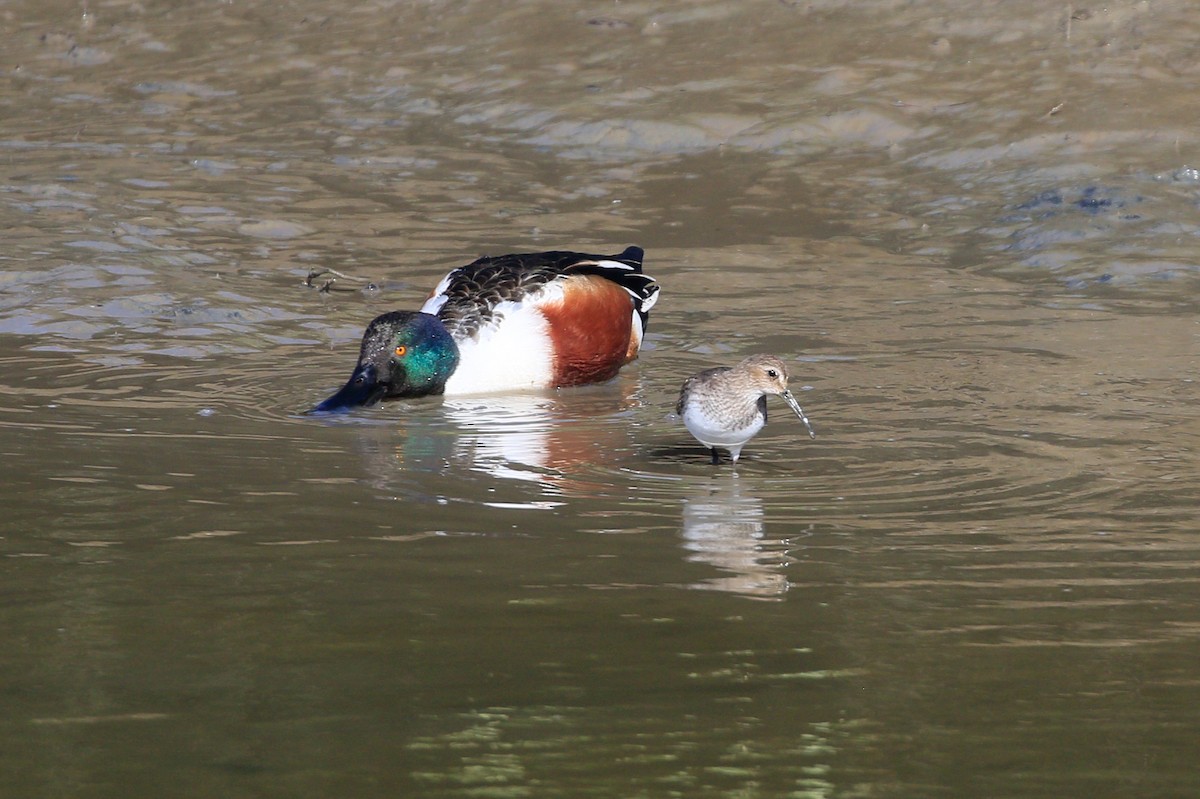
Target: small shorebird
(509, 323)
(727, 406)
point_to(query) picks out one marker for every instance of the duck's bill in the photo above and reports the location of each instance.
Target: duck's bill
(795, 406)
(361, 390)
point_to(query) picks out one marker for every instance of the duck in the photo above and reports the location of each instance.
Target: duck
(726, 406)
(507, 323)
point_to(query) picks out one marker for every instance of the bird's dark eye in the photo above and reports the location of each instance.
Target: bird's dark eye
(771, 373)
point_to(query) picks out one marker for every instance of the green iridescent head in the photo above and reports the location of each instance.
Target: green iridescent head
(404, 354)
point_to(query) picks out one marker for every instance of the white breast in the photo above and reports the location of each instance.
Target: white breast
(512, 353)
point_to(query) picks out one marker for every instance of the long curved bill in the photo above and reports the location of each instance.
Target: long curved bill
(795, 406)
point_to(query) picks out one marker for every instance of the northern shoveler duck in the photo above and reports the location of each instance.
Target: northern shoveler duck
(727, 406)
(507, 323)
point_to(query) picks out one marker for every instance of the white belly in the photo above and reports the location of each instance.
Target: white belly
(713, 432)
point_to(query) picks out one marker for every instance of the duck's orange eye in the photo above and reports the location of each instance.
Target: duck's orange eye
(402, 350)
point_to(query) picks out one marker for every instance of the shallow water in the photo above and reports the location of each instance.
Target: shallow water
(970, 232)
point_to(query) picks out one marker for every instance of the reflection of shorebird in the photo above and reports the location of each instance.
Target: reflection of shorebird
(727, 406)
(724, 528)
(509, 323)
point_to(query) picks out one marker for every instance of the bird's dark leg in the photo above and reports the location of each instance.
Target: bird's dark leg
(716, 459)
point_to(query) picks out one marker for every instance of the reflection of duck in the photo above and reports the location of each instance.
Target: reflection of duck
(509, 323)
(540, 438)
(724, 528)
